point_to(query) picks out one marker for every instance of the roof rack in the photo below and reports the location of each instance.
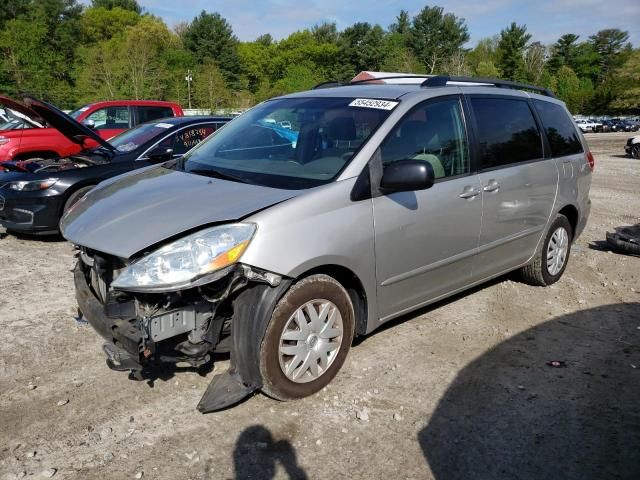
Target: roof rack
(442, 81)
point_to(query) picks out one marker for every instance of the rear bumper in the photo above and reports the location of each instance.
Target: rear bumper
(21, 212)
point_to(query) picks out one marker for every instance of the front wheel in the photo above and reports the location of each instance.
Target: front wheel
(307, 339)
(635, 151)
(552, 257)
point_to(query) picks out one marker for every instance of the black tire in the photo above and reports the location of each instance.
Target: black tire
(74, 197)
(275, 382)
(635, 151)
(536, 273)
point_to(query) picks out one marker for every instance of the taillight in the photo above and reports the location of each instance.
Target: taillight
(590, 160)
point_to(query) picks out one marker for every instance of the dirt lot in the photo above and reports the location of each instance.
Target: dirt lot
(458, 390)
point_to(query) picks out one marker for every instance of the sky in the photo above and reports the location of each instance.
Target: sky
(546, 20)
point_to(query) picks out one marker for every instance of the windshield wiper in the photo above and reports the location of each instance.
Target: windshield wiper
(210, 172)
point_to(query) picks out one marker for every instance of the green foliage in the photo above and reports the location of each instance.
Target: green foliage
(210, 37)
(131, 5)
(70, 53)
(628, 75)
(511, 48)
(436, 36)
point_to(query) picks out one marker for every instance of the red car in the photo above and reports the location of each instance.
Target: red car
(27, 140)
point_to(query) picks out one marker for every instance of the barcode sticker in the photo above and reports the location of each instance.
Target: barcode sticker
(373, 103)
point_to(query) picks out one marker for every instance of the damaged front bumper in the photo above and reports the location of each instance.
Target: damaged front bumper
(229, 314)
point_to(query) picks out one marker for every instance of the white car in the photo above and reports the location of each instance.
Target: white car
(588, 125)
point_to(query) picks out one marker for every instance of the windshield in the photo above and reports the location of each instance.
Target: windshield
(132, 139)
(76, 113)
(290, 143)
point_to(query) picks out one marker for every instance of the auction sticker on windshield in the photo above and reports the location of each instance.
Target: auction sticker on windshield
(373, 103)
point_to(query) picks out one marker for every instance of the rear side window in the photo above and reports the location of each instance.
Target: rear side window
(562, 134)
(507, 131)
(147, 114)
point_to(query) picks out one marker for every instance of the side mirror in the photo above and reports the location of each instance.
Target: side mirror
(407, 176)
(89, 123)
(160, 154)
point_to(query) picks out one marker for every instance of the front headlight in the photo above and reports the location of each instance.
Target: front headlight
(181, 263)
(32, 185)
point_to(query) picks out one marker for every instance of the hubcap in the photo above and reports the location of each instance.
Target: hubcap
(557, 251)
(310, 341)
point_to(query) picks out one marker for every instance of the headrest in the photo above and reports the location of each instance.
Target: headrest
(342, 128)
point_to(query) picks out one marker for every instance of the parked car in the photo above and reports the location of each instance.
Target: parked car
(107, 119)
(632, 147)
(389, 197)
(35, 193)
(587, 125)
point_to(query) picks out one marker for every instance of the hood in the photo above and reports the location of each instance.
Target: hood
(142, 209)
(21, 109)
(74, 131)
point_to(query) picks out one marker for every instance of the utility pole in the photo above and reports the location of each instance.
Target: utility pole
(189, 79)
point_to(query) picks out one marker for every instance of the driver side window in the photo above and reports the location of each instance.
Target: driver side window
(433, 132)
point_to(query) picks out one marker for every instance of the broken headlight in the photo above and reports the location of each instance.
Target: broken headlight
(182, 262)
(32, 185)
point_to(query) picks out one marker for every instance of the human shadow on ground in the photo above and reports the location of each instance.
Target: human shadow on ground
(514, 413)
(256, 455)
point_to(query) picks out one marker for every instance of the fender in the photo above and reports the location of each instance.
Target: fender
(253, 309)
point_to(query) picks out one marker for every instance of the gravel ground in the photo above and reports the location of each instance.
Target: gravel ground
(461, 389)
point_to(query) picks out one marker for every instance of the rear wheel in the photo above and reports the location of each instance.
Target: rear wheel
(551, 258)
(308, 338)
(635, 151)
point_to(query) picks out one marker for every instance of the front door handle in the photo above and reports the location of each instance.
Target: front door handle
(492, 186)
(469, 192)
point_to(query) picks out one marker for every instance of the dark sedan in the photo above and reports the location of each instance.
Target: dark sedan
(35, 194)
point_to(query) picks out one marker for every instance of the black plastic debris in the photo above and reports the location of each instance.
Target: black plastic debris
(625, 239)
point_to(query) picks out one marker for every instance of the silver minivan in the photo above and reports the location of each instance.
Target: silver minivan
(280, 244)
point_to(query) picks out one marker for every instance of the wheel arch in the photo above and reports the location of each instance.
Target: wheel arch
(572, 214)
(354, 287)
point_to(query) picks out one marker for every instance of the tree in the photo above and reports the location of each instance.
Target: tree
(210, 88)
(436, 36)
(210, 37)
(613, 49)
(486, 69)
(628, 99)
(12, 9)
(535, 58)
(361, 48)
(484, 51)
(131, 5)
(326, 32)
(564, 52)
(402, 24)
(511, 46)
(99, 23)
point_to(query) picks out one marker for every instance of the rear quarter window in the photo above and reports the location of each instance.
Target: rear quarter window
(506, 130)
(559, 128)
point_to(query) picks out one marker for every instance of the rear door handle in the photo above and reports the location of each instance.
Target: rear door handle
(469, 192)
(492, 186)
